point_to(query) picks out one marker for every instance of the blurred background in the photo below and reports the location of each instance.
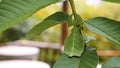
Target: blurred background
(86, 8)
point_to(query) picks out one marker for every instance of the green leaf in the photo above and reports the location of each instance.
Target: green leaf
(89, 59)
(106, 27)
(54, 19)
(15, 11)
(74, 45)
(67, 62)
(114, 1)
(112, 63)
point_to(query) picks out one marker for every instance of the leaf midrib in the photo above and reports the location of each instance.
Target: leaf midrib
(73, 42)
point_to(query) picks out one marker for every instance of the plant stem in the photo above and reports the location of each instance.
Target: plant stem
(74, 13)
(73, 7)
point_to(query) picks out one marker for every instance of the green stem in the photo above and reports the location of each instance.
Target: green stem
(74, 13)
(73, 7)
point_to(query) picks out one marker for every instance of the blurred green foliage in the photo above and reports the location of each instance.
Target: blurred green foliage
(11, 34)
(49, 55)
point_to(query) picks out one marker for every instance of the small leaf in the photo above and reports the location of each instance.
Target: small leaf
(106, 27)
(15, 11)
(74, 44)
(112, 63)
(114, 1)
(89, 59)
(54, 19)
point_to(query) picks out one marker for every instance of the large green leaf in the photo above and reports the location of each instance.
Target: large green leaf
(54, 19)
(114, 1)
(67, 62)
(112, 63)
(89, 59)
(74, 45)
(106, 27)
(15, 11)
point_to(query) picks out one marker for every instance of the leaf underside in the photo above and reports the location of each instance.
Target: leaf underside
(106, 27)
(54, 19)
(15, 11)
